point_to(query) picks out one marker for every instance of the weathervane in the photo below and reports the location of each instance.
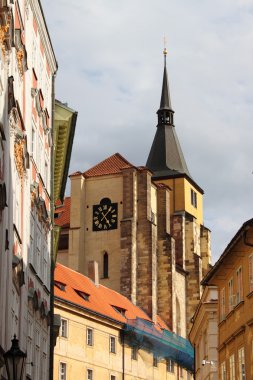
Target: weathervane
(164, 49)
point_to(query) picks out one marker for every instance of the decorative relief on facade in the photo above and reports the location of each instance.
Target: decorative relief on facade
(21, 54)
(19, 156)
(6, 29)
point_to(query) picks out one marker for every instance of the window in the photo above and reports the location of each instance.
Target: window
(241, 364)
(170, 365)
(181, 372)
(33, 143)
(239, 292)
(89, 337)
(134, 353)
(232, 367)
(194, 198)
(231, 301)
(64, 328)
(89, 374)
(223, 371)
(222, 304)
(251, 273)
(105, 265)
(155, 361)
(63, 371)
(113, 377)
(112, 344)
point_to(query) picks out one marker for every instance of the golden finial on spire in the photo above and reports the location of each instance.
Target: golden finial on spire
(164, 44)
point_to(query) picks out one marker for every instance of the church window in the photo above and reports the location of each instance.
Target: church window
(193, 198)
(105, 265)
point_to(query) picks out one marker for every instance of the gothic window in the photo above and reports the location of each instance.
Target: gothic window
(194, 198)
(105, 265)
(178, 314)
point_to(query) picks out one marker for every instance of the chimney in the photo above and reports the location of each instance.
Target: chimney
(93, 272)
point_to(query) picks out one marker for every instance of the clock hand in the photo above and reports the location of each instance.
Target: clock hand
(104, 215)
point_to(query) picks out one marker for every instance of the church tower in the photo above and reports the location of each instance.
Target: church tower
(142, 225)
(167, 163)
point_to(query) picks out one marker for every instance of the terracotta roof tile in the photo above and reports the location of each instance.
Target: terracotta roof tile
(102, 300)
(111, 165)
(63, 220)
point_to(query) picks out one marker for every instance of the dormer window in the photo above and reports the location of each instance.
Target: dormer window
(83, 295)
(119, 310)
(60, 285)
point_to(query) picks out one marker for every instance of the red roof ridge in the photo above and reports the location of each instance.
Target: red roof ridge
(110, 165)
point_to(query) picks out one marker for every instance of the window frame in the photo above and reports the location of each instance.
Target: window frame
(64, 321)
(239, 285)
(64, 365)
(89, 343)
(89, 372)
(112, 347)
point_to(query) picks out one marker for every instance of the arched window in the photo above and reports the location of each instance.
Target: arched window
(105, 265)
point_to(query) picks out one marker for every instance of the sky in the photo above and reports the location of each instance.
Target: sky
(110, 61)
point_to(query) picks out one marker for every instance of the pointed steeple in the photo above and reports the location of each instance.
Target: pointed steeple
(166, 158)
(165, 112)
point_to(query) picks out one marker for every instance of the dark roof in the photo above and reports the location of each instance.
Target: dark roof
(166, 157)
(240, 234)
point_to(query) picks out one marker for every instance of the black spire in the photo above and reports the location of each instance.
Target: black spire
(165, 112)
(166, 158)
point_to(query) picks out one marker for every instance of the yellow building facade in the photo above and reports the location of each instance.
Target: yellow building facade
(233, 276)
(94, 342)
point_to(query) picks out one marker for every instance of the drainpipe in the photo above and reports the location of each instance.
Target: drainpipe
(123, 355)
(52, 263)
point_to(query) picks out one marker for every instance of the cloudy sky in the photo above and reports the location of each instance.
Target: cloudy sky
(110, 70)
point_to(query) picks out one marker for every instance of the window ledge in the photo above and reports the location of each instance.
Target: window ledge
(239, 305)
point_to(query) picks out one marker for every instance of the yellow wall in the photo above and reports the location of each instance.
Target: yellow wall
(180, 199)
(78, 356)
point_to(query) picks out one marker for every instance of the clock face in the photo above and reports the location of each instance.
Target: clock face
(105, 215)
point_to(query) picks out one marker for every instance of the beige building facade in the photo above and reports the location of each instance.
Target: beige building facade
(104, 336)
(204, 335)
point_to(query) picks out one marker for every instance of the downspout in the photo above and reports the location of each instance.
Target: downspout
(194, 362)
(123, 355)
(52, 262)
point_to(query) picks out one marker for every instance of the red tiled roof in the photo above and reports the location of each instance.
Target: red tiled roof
(101, 299)
(111, 165)
(63, 210)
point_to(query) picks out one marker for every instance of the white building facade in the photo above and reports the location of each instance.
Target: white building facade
(27, 71)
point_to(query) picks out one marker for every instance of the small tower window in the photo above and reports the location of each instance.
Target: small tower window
(105, 265)
(194, 198)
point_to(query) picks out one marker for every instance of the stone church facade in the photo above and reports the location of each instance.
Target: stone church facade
(143, 225)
